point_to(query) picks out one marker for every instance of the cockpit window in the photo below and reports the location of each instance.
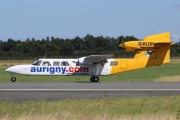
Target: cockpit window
(46, 63)
(37, 63)
(64, 63)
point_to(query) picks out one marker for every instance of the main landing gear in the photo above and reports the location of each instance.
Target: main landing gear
(13, 79)
(94, 79)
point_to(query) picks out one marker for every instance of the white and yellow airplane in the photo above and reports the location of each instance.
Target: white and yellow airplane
(152, 51)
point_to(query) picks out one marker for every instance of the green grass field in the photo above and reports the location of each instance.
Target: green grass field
(155, 73)
(149, 108)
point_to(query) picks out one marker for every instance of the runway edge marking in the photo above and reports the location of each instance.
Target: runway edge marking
(89, 89)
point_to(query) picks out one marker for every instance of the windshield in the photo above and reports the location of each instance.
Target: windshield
(37, 63)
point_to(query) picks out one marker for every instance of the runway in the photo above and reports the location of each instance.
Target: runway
(20, 92)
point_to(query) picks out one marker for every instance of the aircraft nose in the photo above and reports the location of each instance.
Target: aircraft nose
(10, 69)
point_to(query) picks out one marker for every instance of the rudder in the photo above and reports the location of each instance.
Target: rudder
(157, 47)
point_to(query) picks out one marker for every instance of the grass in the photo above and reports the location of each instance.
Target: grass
(175, 78)
(155, 73)
(105, 109)
(149, 108)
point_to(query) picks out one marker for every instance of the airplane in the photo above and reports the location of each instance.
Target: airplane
(154, 50)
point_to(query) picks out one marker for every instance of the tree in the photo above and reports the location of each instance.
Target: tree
(9, 45)
(70, 47)
(67, 49)
(78, 43)
(102, 43)
(89, 41)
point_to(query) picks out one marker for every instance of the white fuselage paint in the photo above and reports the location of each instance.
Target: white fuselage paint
(71, 69)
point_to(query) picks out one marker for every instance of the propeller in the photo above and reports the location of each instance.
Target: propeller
(149, 53)
(122, 43)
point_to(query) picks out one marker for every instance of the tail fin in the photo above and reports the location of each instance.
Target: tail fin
(162, 37)
(152, 51)
(155, 48)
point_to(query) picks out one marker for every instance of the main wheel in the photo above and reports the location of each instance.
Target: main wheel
(92, 79)
(13, 79)
(96, 79)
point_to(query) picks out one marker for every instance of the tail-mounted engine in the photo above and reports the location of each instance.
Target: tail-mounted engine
(136, 45)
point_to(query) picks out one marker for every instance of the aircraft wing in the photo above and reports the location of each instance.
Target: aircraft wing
(93, 59)
(97, 58)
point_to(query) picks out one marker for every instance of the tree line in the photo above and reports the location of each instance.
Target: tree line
(51, 47)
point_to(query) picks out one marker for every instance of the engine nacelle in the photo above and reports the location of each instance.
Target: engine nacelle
(131, 45)
(136, 45)
(83, 61)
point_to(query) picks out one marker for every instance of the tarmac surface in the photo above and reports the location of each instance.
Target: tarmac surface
(19, 92)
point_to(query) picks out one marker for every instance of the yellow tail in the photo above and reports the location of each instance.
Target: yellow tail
(156, 47)
(152, 51)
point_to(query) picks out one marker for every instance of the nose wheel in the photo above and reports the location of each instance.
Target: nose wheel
(94, 79)
(13, 79)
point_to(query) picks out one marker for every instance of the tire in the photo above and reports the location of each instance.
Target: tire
(92, 79)
(96, 79)
(13, 79)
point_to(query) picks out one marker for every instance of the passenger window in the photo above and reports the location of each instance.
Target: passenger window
(64, 63)
(56, 63)
(46, 63)
(113, 63)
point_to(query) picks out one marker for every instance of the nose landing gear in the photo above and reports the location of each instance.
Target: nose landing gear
(13, 79)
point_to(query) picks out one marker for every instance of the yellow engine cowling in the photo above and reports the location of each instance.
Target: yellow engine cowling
(131, 45)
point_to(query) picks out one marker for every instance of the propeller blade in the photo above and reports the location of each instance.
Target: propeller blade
(122, 43)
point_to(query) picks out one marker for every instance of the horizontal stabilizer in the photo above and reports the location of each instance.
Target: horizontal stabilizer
(170, 43)
(153, 41)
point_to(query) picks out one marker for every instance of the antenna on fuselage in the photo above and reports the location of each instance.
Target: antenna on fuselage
(45, 54)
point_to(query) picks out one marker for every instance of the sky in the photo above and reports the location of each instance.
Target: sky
(22, 19)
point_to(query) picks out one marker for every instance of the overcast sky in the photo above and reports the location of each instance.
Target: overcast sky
(22, 19)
